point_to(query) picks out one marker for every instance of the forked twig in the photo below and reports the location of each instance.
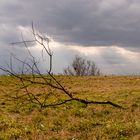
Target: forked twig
(49, 80)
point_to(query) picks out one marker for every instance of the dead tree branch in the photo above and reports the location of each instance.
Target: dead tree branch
(48, 80)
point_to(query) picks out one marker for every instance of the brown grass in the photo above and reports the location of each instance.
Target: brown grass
(74, 121)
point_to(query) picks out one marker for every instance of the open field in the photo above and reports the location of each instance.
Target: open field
(74, 121)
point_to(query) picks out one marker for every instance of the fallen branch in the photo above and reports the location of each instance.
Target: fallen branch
(86, 102)
(48, 81)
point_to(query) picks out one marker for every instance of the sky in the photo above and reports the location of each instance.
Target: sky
(104, 31)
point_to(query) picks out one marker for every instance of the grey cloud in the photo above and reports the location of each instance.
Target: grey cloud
(8, 34)
(79, 22)
(111, 56)
(88, 23)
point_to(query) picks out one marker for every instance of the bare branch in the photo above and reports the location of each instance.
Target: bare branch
(79, 67)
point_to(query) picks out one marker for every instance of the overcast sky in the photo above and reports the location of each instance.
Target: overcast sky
(106, 31)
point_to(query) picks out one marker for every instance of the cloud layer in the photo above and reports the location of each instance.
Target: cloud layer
(90, 23)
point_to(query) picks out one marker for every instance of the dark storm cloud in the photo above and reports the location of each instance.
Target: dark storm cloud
(82, 22)
(100, 23)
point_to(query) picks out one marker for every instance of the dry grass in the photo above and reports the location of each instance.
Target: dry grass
(74, 121)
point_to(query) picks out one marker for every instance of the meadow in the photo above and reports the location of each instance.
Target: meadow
(73, 120)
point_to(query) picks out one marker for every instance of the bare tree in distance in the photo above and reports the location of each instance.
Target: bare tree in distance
(36, 79)
(82, 67)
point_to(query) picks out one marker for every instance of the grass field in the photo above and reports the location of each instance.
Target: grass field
(74, 121)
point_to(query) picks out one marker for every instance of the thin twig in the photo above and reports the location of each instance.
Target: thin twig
(49, 81)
